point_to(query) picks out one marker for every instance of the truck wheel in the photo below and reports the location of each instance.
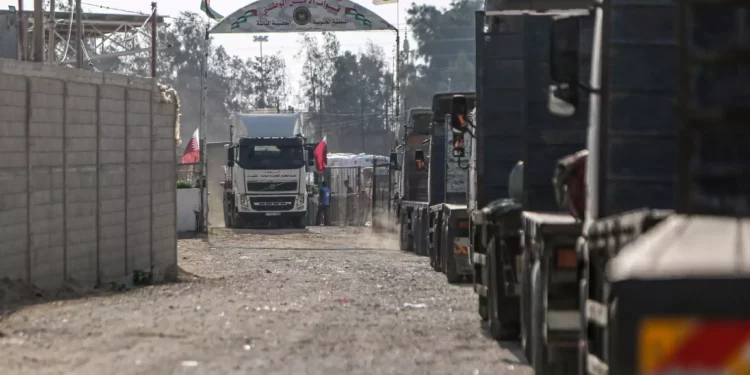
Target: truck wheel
(435, 247)
(449, 262)
(300, 223)
(227, 218)
(500, 309)
(405, 242)
(482, 303)
(538, 345)
(525, 304)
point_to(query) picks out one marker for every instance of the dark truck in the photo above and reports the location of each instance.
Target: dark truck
(660, 290)
(448, 228)
(411, 208)
(523, 247)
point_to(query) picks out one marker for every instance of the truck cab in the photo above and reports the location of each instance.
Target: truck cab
(266, 176)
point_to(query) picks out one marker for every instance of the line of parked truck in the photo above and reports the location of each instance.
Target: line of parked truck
(596, 186)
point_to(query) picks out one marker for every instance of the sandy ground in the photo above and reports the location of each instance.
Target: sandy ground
(323, 301)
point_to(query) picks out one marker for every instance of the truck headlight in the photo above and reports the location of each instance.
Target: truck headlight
(244, 201)
(300, 200)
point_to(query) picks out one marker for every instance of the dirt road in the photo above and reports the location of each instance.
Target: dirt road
(327, 301)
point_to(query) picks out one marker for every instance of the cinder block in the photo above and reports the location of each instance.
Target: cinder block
(47, 214)
(46, 115)
(46, 178)
(13, 113)
(107, 205)
(45, 144)
(13, 160)
(83, 222)
(81, 128)
(13, 98)
(139, 119)
(112, 118)
(114, 132)
(46, 86)
(13, 180)
(79, 210)
(78, 237)
(12, 216)
(12, 129)
(46, 129)
(81, 89)
(139, 95)
(12, 144)
(45, 100)
(46, 159)
(80, 103)
(112, 92)
(139, 144)
(13, 232)
(13, 265)
(82, 158)
(14, 83)
(75, 143)
(11, 201)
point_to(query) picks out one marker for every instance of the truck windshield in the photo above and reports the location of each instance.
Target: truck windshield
(421, 123)
(271, 157)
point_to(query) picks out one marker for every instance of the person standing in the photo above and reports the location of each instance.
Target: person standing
(324, 203)
(350, 214)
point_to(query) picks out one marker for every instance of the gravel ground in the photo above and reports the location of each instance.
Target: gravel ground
(323, 301)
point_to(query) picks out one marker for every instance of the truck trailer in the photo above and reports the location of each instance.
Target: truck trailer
(448, 229)
(265, 181)
(660, 256)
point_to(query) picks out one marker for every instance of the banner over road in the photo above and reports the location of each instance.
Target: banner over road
(279, 16)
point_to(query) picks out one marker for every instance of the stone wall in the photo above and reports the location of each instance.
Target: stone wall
(87, 175)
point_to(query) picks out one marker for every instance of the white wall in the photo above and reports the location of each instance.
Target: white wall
(87, 182)
(188, 201)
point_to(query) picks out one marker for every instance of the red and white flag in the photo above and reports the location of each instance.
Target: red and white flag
(321, 155)
(192, 151)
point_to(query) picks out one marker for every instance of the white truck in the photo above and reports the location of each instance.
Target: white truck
(265, 181)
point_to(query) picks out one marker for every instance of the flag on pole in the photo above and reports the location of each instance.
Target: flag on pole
(212, 14)
(321, 155)
(192, 153)
(384, 2)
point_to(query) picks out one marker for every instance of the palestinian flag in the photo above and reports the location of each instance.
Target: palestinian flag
(351, 12)
(212, 14)
(248, 14)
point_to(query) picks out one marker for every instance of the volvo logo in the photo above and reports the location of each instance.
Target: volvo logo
(272, 203)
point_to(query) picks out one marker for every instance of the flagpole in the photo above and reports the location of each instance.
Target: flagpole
(202, 133)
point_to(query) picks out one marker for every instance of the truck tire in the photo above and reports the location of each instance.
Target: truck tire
(300, 223)
(500, 310)
(449, 260)
(482, 308)
(437, 239)
(538, 357)
(405, 237)
(526, 304)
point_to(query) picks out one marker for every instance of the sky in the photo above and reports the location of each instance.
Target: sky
(242, 44)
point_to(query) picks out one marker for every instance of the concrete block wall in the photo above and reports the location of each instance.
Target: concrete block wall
(87, 178)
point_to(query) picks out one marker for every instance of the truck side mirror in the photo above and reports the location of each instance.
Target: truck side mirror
(393, 161)
(310, 150)
(564, 65)
(459, 113)
(419, 157)
(230, 157)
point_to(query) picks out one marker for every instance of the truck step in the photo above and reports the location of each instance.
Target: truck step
(481, 290)
(563, 320)
(597, 313)
(480, 259)
(595, 366)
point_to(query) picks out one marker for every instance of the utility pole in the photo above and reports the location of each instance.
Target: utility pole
(260, 39)
(38, 30)
(79, 36)
(51, 41)
(153, 39)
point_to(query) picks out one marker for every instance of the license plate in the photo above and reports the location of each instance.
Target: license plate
(273, 213)
(692, 346)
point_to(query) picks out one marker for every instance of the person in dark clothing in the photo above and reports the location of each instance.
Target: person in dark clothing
(350, 214)
(324, 203)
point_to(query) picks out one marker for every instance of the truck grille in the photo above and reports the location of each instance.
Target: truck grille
(272, 203)
(272, 186)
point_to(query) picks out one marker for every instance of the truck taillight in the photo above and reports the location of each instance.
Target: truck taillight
(566, 258)
(463, 224)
